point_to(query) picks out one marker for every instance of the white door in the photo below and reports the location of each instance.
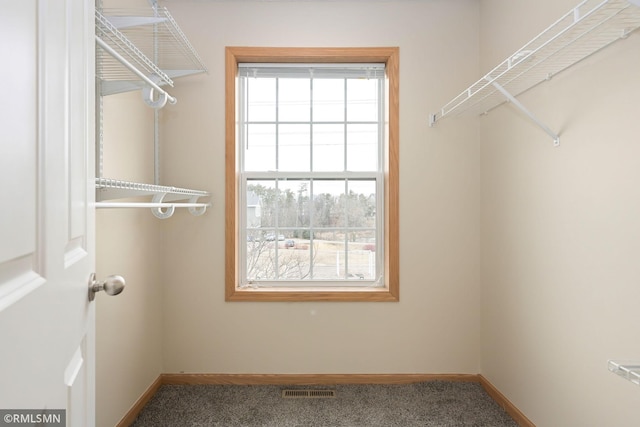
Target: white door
(46, 209)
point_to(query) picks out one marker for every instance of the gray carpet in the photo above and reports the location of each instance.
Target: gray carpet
(434, 403)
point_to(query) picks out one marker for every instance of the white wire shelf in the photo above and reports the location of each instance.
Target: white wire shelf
(143, 49)
(589, 27)
(163, 202)
(150, 40)
(627, 370)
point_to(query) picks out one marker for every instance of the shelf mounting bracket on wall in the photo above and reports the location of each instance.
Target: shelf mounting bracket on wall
(514, 101)
(627, 370)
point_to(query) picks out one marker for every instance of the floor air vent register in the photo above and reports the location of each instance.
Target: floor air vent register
(308, 394)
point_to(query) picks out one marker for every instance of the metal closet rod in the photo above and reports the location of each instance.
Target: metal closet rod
(150, 205)
(134, 70)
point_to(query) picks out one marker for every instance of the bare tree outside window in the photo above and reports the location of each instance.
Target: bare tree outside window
(299, 238)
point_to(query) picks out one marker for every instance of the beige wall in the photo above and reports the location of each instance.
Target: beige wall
(128, 326)
(434, 328)
(560, 230)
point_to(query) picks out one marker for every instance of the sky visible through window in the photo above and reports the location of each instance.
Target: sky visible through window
(344, 136)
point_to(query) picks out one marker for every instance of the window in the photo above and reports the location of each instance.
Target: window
(312, 174)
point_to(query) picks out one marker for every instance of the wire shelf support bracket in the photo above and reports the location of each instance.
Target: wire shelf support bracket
(586, 29)
(627, 370)
(514, 101)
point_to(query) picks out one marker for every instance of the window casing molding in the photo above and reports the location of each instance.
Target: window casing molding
(390, 289)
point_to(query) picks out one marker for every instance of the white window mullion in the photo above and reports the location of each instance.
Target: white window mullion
(311, 228)
(311, 191)
(276, 232)
(380, 195)
(242, 111)
(277, 124)
(344, 123)
(267, 175)
(311, 122)
(346, 181)
(346, 228)
(276, 264)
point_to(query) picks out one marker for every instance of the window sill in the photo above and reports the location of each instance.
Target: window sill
(313, 294)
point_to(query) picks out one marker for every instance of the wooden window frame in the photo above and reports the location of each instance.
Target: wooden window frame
(390, 57)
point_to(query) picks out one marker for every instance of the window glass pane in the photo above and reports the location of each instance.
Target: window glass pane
(294, 148)
(294, 262)
(260, 260)
(328, 100)
(362, 147)
(362, 100)
(261, 95)
(328, 260)
(361, 257)
(262, 202)
(260, 148)
(254, 211)
(294, 100)
(328, 207)
(293, 206)
(361, 205)
(328, 148)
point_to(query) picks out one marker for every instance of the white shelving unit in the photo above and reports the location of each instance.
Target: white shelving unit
(138, 35)
(126, 40)
(587, 28)
(627, 370)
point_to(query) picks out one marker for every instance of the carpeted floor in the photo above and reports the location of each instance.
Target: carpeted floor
(434, 403)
